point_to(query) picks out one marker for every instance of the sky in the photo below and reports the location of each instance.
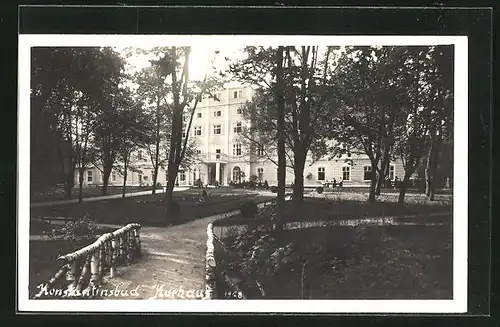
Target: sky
(198, 62)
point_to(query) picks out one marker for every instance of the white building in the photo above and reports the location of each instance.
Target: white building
(222, 158)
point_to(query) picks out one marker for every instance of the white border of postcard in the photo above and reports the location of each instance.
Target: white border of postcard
(457, 305)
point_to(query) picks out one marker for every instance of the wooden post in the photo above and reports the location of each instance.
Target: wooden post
(102, 261)
(94, 269)
(129, 246)
(112, 269)
(210, 265)
(83, 275)
(122, 247)
(137, 241)
(71, 274)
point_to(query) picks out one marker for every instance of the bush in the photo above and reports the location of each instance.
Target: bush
(83, 228)
(158, 184)
(274, 189)
(319, 189)
(254, 178)
(249, 209)
(174, 208)
(198, 183)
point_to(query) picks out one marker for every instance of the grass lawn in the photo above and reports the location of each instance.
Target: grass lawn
(57, 194)
(389, 262)
(351, 206)
(149, 210)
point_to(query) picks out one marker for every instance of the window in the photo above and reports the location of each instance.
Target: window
(237, 127)
(392, 174)
(139, 155)
(260, 150)
(235, 95)
(197, 130)
(217, 129)
(217, 113)
(145, 178)
(238, 111)
(236, 149)
(219, 96)
(237, 174)
(217, 153)
(240, 93)
(198, 115)
(198, 151)
(182, 176)
(367, 173)
(346, 173)
(89, 175)
(183, 134)
(113, 176)
(321, 173)
(260, 173)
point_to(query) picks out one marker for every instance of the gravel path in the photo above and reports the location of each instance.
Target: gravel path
(173, 260)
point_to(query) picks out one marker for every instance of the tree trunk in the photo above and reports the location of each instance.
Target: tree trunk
(175, 143)
(373, 182)
(68, 184)
(280, 210)
(125, 174)
(430, 171)
(402, 189)
(105, 177)
(169, 190)
(381, 176)
(298, 187)
(155, 179)
(80, 183)
(298, 182)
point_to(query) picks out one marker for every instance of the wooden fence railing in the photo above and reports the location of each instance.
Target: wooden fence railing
(85, 268)
(210, 265)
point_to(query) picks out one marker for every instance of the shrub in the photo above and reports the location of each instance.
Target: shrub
(198, 183)
(158, 184)
(174, 208)
(254, 178)
(248, 209)
(83, 228)
(309, 176)
(319, 189)
(274, 189)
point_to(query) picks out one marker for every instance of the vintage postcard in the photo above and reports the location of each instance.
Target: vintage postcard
(246, 173)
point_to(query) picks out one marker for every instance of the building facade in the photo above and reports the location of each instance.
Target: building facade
(221, 158)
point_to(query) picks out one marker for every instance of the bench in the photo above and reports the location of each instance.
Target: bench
(50, 219)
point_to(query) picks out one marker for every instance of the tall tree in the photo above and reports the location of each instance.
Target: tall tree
(110, 130)
(185, 96)
(441, 110)
(136, 124)
(413, 128)
(154, 91)
(305, 79)
(74, 81)
(368, 96)
(358, 122)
